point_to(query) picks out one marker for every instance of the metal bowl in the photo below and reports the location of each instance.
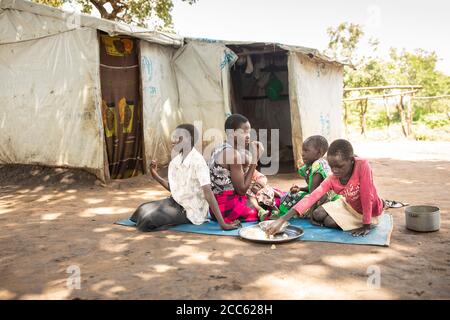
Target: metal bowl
(256, 234)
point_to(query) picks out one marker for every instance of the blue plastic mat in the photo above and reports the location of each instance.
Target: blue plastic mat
(380, 236)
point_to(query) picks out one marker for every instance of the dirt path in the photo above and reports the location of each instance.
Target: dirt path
(51, 220)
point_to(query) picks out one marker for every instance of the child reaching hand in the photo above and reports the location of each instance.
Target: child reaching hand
(359, 208)
(314, 171)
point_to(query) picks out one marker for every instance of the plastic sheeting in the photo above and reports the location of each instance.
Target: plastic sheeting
(50, 95)
(203, 78)
(160, 97)
(315, 91)
(24, 20)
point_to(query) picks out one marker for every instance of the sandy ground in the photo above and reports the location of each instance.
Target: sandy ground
(52, 220)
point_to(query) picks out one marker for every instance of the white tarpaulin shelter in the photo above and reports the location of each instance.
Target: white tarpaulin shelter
(50, 88)
(312, 86)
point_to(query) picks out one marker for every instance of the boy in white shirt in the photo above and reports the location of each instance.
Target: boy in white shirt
(190, 185)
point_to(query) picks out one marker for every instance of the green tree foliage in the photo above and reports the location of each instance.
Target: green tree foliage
(401, 68)
(418, 67)
(344, 40)
(52, 3)
(128, 11)
(344, 43)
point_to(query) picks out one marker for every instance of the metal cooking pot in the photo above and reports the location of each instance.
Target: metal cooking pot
(422, 218)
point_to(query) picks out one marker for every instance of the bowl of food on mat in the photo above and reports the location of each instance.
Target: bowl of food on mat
(257, 233)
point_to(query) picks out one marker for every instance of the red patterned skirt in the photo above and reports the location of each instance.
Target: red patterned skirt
(234, 207)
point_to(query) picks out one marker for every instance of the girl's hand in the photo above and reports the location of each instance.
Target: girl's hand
(231, 226)
(361, 232)
(275, 227)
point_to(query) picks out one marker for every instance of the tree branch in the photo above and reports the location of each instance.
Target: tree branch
(100, 8)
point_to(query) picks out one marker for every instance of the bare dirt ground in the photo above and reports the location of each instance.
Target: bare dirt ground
(51, 219)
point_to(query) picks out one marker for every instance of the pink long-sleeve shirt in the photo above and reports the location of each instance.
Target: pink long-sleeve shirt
(359, 192)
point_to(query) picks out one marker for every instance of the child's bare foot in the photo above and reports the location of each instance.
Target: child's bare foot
(314, 222)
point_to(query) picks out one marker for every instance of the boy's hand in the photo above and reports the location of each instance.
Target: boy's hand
(153, 168)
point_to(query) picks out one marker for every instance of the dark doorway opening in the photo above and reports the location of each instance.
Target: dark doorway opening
(260, 91)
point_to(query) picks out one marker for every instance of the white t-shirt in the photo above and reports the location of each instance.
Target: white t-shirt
(185, 180)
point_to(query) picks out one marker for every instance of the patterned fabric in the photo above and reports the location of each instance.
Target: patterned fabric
(121, 105)
(220, 176)
(319, 166)
(265, 194)
(186, 179)
(234, 207)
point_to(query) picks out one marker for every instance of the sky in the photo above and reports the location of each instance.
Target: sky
(408, 24)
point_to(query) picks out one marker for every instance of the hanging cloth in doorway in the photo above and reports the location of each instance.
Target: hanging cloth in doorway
(121, 105)
(274, 88)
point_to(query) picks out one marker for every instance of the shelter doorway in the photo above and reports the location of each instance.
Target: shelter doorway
(260, 91)
(121, 105)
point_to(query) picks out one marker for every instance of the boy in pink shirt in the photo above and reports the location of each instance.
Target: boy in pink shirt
(360, 206)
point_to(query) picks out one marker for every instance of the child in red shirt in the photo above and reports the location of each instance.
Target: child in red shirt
(360, 206)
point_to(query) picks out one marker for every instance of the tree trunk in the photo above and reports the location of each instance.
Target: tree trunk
(409, 115)
(363, 111)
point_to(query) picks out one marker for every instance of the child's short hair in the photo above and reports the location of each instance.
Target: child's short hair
(319, 142)
(341, 147)
(191, 130)
(234, 121)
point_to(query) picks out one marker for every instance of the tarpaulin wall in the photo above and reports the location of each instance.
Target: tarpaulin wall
(315, 91)
(50, 96)
(160, 101)
(203, 78)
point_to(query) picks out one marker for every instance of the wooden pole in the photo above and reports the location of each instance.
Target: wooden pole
(433, 97)
(388, 116)
(401, 111)
(384, 88)
(362, 115)
(346, 118)
(409, 115)
(380, 96)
